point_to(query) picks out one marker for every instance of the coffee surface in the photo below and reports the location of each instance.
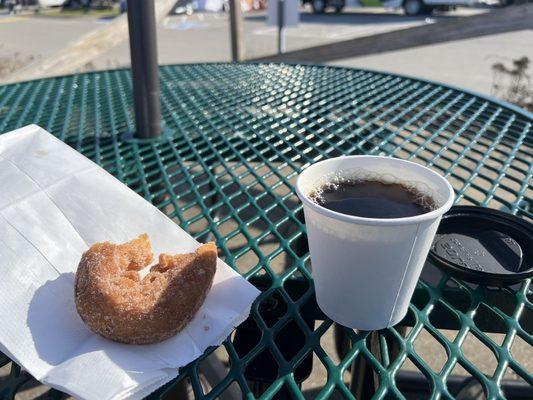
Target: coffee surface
(373, 199)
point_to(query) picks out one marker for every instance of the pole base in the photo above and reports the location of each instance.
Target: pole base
(166, 136)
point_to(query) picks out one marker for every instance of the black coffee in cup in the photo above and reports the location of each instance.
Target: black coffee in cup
(373, 199)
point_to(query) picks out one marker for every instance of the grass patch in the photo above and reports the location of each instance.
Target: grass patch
(371, 3)
(59, 12)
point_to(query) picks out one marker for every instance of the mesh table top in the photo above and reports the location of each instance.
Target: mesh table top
(236, 136)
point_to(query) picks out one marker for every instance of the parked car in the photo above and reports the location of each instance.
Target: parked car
(320, 6)
(51, 3)
(418, 7)
(410, 7)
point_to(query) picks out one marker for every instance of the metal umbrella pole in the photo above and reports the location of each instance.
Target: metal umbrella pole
(281, 25)
(237, 44)
(144, 68)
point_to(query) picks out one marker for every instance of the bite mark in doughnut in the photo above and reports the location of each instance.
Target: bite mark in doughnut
(116, 303)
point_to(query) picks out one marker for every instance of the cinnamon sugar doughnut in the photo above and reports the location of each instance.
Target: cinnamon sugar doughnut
(116, 303)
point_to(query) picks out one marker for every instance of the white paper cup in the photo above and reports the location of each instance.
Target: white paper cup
(366, 269)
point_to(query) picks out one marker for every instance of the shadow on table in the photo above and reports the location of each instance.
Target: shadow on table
(51, 312)
(59, 334)
(313, 393)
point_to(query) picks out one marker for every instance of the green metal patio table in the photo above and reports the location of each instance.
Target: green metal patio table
(235, 137)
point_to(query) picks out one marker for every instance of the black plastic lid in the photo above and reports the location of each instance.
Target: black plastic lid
(484, 246)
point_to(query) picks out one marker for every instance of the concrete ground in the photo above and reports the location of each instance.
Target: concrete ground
(205, 37)
(27, 38)
(463, 63)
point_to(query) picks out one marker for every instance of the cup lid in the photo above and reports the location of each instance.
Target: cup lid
(484, 246)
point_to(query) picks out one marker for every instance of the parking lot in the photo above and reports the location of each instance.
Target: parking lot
(204, 37)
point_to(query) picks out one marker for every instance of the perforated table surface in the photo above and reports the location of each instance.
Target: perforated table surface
(236, 136)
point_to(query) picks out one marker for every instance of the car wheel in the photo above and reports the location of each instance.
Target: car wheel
(319, 6)
(413, 7)
(339, 7)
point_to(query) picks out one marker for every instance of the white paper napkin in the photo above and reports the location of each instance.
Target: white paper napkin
(55, 203)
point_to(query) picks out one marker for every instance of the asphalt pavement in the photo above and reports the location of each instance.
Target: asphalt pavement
(204, 37)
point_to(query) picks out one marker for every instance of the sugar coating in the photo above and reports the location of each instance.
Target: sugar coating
(116, 303)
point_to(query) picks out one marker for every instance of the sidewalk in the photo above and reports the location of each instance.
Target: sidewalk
(464, 63)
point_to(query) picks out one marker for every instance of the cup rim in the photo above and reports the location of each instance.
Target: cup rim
(304, 198)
